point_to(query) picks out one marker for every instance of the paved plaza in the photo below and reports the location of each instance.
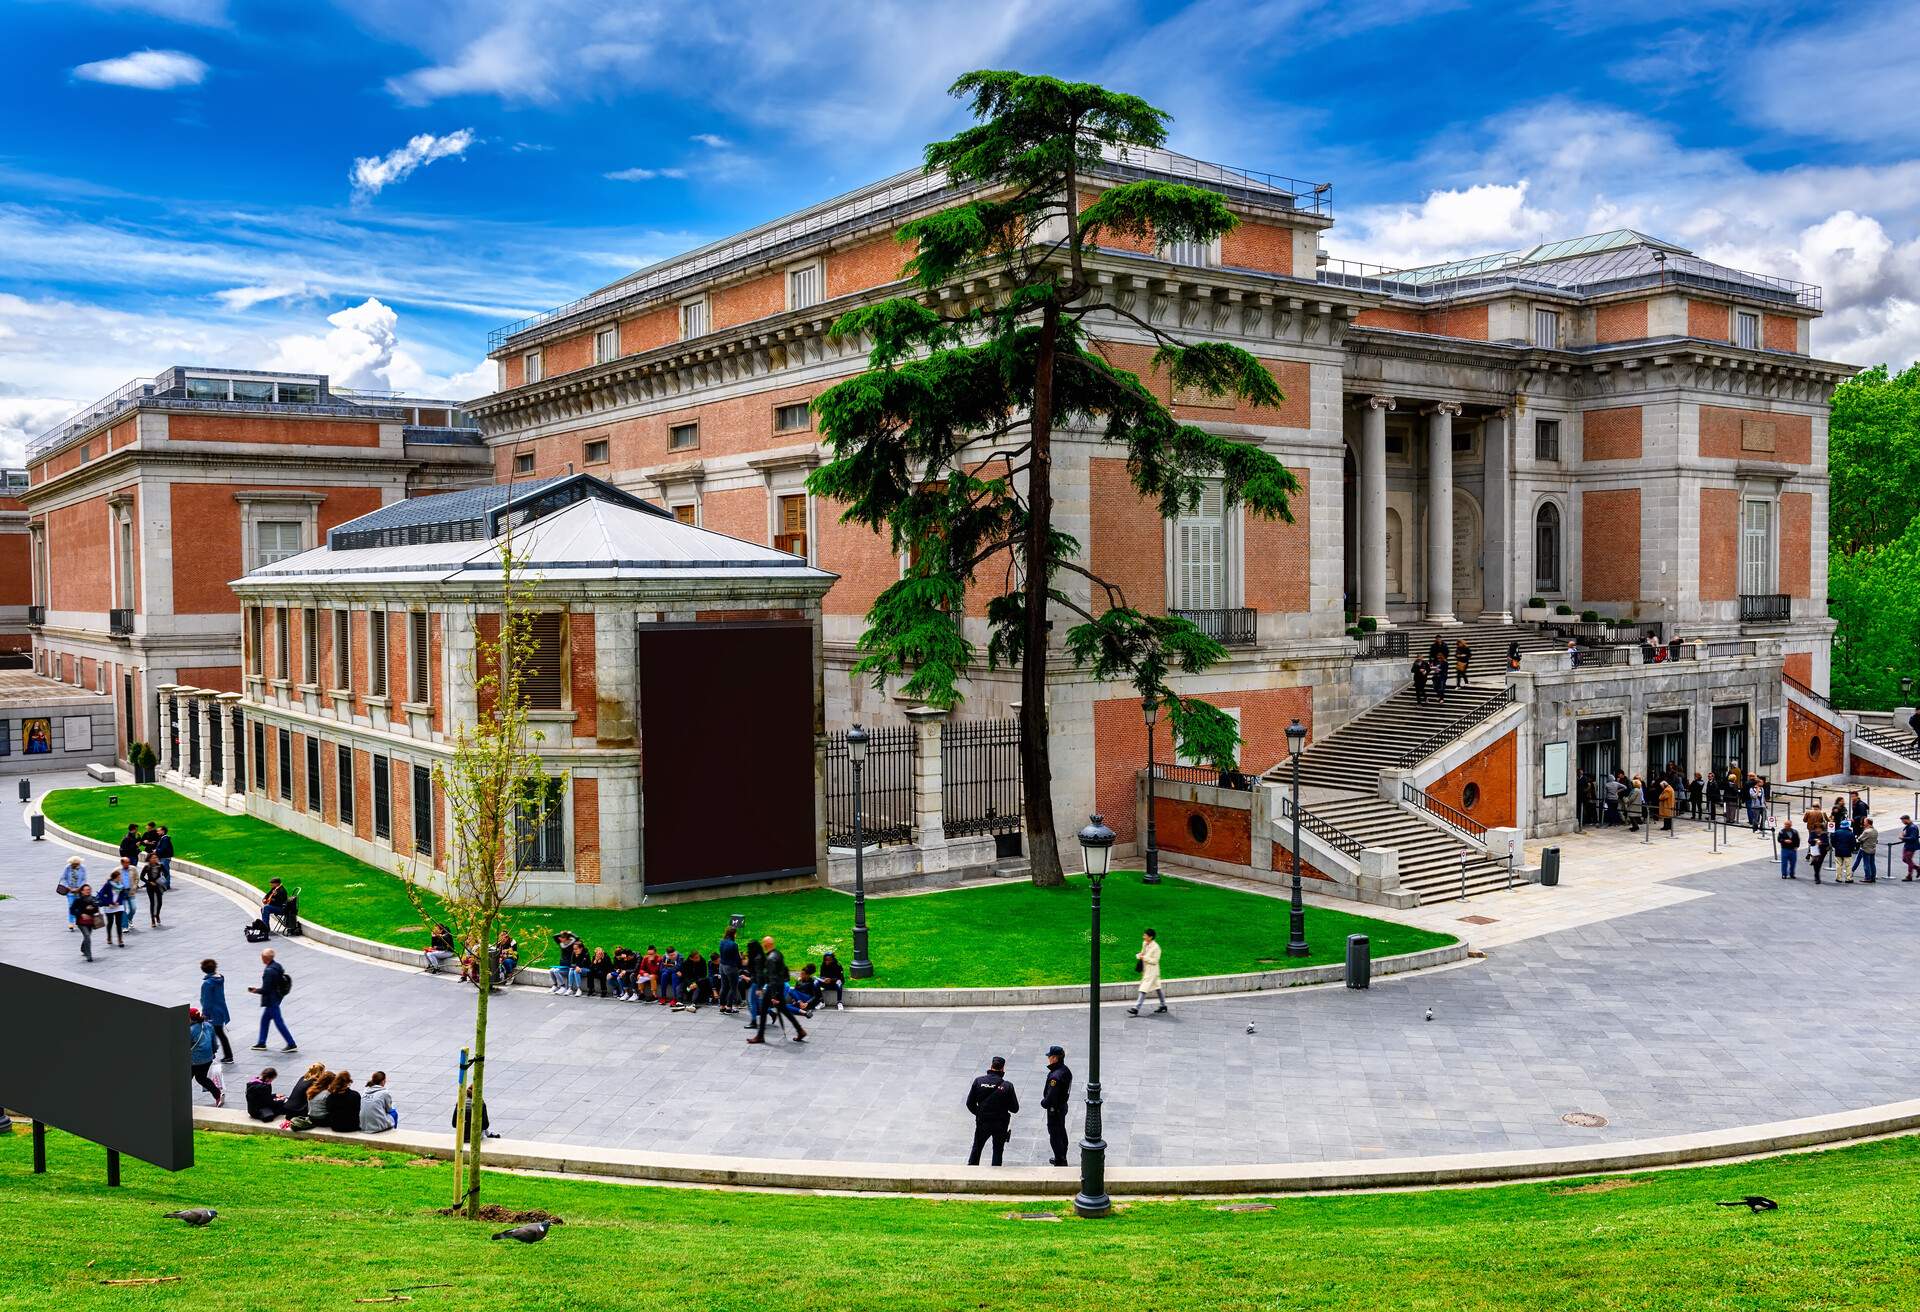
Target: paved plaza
(1719, 998)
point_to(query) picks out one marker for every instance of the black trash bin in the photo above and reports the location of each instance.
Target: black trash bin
(26, 791)
(1550, 867)
(37, 823)
(1359, 962)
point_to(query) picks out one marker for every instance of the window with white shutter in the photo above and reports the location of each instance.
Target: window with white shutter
(803, 287)
(1756, 548)
(1200, 554)
(419, 683)
(275, 540)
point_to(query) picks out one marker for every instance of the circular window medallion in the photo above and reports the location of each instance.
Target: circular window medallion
(1813, 745)
(1197, 827)
(1470, 797)
(1593, 1120)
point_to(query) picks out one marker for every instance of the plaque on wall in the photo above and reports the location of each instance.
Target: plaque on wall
(1770, 740)
(1553, 770)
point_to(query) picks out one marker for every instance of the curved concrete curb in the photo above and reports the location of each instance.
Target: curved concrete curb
(1034, 996)
(1283, 1178)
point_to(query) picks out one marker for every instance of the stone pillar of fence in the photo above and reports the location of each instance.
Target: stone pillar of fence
(163, 764)
(223, 709)
(197, 717)
(929, 786)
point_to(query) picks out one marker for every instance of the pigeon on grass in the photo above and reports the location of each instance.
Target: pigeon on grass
(194, 1216)
(531, 1233)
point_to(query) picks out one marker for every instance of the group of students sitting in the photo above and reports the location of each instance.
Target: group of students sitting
(686, 983)
(324, 1100)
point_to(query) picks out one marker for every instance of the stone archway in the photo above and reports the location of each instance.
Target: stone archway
(1469, 597)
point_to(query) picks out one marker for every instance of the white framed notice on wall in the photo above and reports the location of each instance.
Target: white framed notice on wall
(1553, 770)
(77, 730)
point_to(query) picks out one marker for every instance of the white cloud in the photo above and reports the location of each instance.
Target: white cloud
(372, 173)
(245, 298)
(147, 70)
(363, 348)
(710, 139)
(1849, 80)
(643, 175)
(1486, 217)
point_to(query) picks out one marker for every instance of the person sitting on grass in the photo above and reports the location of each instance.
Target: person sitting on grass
(343, 1105)
(506, 959)
(439, 949)
(377, 1112)
(261, 1104)
(833, 976)
(805, 991)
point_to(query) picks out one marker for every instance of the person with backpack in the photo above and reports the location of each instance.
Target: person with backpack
(275, 984)
(213, 1005)
(200, 1055)
(993, 1102)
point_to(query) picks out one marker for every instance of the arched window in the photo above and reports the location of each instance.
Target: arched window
(1546, 549)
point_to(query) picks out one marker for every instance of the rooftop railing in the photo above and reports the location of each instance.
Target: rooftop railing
(1681, 270)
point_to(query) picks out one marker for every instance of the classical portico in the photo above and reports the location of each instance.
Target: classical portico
(1381, 529)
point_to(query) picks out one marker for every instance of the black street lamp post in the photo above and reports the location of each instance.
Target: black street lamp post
(1150, 711)
(1297, 913)
(1096, 851)
(861, 967)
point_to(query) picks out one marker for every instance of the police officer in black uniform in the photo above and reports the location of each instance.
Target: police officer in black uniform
(1053, 1101)
(993, 1103)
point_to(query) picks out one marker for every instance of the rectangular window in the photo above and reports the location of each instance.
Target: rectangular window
(1546, 329)
(310, 646)
(286, 766)
(376, 653)
(1746, 330)
(791, 527)
(1200, 554)
(206, 389)
(1756, 548)
(803, 286)
(540, 825)
(342, 649)
(282, 657)
(543, 682)
(523, 463)
(126, 564)
(260, 757)
(686, 514)
(419, 685)
(531, 361)
(297, 393)
(382, 799)
(595, 451)
(252, 389)
(343, 792)
(86, 451)
(275, 540)
(683, 437)
(313, 775)
(256, 639)
(791, 418)
(1546, 439)
(606, 345)
(423, 810)
(1199, 254)
(693, 318)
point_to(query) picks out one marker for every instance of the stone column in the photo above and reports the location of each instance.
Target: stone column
(163, 763)
(1498, 541)
(1440, 512)
(197, 710)
(1372, 529)
(223, 705)
(929, 787)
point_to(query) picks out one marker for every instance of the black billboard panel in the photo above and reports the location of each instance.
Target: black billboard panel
(98, 1065)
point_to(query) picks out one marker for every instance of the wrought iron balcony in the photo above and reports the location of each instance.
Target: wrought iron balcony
(1765, 608)
(36, 615)
(120, 622)
(1231, 626)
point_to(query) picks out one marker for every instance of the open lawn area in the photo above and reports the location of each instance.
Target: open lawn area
(1007, 933)
(321, 1224)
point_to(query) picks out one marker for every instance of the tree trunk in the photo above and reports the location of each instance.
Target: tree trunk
(1043, 853)
(476, 1117)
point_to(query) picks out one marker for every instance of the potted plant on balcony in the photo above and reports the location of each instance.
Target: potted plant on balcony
(1536, 611)
(1563, 609)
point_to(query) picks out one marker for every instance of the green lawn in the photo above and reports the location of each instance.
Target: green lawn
(318, 1224)
(1008, 934)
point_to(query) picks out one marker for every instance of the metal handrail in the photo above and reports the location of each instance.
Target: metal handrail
(1804, 690)
(1454, 728)
(1341, 841)
(1765, 608)
(1231, 626)
(1441, 811)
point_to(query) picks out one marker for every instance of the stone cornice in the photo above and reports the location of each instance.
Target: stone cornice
(243, 462)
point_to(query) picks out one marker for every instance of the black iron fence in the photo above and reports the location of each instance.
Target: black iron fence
(1441, 811)
(120, 621)
(36, 614)
(1765, 608)
(1390, 642)
(1234, 626)
(980, 774)
(886, 787)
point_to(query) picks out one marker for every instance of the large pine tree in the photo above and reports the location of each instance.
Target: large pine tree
(946, 442)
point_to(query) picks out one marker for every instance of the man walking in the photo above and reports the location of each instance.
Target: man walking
(1789, 850)
(1054, 1099)
(773, 969)
(213, 1005)
(274, 987)
(1147, 962)
(993, 1102)
(1909, 844)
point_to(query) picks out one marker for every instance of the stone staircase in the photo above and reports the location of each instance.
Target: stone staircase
(1898, 742)
(1340, 785)
(1488, 642)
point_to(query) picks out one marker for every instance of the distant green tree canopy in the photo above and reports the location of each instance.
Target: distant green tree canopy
(1873, 536)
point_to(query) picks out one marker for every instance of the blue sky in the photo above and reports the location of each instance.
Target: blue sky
(367, 187)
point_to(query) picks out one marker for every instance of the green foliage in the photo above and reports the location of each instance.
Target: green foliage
(1589, 617)
(1563, 609)
(1355, 631)
(1368, 624)
(1873, 536)
(1535, 603)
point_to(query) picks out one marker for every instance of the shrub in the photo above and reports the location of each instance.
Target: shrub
(1367, 624)
(1589, 617)
(1355, 631)
(140, 754)
(1535, 603)
(1563, 609)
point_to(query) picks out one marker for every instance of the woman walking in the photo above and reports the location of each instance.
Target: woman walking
(213, 1005)
(68, 886)
(85, 911)
(153, 879)
(1147, 962)
(112, 902)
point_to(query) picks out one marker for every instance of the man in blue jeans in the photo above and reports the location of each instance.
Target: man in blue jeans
(273, 987)
(1789, 850)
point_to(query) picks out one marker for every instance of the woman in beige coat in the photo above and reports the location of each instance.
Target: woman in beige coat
(1148, 960)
